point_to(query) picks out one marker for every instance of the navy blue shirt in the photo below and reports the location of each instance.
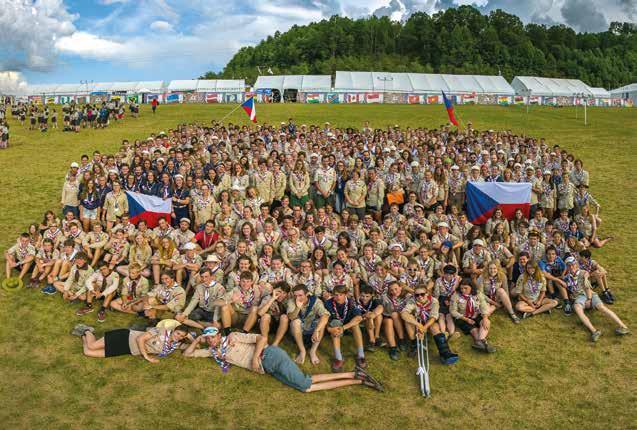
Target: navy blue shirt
(344, 312)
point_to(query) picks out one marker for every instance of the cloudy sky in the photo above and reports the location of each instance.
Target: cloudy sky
(59, 41)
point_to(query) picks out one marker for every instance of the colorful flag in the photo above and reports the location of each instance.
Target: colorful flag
(504, 100)
(250, 109)
(148, 208)
(449, 107)
(372, 98)
(469, 98)
(312, 98)
(518, 100)
(213, 98)
(433, 100)
(353, 98)
(413, 99)
(172, 98)
(483, 198)
(333, 98)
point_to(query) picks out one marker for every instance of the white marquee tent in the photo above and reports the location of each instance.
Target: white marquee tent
(627, 92)
(550, 87)
(302, 83)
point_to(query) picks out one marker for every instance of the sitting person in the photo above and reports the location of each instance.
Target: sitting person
(308, 319)
(372, 313)
(493, 284)
(203, 310)
(20, 256)
(531, 292)
(102, 284)
(394, 301)
(73, 288)
(251, 351)
(273, 308)
(166, 299)
(421, 316)
(471, 315)
(242, 304)
(132, 292)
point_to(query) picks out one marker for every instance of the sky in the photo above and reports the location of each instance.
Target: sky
(68, 41)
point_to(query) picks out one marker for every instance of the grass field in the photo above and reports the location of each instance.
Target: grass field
(546, 373)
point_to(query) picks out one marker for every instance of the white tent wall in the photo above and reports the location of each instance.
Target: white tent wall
(560, 92)
(627, 93)
(310, 87)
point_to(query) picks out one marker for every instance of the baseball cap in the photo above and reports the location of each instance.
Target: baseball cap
(478, 242)
(184, 219)
(189, 246)
(210, 331)
(74, 164)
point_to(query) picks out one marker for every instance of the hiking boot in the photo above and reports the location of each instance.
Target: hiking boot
(515, 318)
(403, 345)
(101, 315)
(526, 315)
(379, 343)
(80, 329)
(413, 351)
(337, 366)
(622, 331)
(394, 353)
(83, 311)
(568, 308)
(607, 298)
(479, 345)
(371, 347)
(488, 347)
(610, 294)
(361, 362)
(595, 336)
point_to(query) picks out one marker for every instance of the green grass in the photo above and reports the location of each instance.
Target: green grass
(546, 373)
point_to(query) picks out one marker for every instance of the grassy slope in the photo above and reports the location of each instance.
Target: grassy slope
(546, 373)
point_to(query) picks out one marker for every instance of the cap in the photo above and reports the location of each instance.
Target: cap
(74, 164)
(547, 172)
(570, 260)
(414, 164)
(449, 269)
(530, 168)
(478, 242)
(396, 246)
(443, 224)
(474, 167)
(212, 258)
(189, 246)
(455, 167)
(179, 175)
(210, 331)
(184, 219)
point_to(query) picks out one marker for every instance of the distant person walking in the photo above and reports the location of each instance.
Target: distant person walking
(154, 104)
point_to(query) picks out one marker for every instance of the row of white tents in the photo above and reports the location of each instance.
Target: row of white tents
(348, 87)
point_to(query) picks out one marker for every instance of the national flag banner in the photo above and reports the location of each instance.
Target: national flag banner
(50, 100)
(551, 101)
(312, 98)
(504, 100)
(250, 108)
(213, 98)
(133, 99)
(483, 198)
(433, 100)
(36, 99)
(372, 98)
(333, 98)
(353, 98)
(413, 99)
(449, 107)
(534, 100)
(518, 100)
(173, 98)
(148, 208)
(469, 98)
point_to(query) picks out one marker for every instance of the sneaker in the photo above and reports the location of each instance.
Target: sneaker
(361, 362)
(479, 345)
(515, 318)
(413, 351)
(403, 345)
(49, 289)
(101, 315)
(622, 331)
(595, 336)
(367, 379)
(83, 311)
(80, 329)
(610, 294)
(605, 298)
(394, 353)
(337, 366)
(371, 347)
(568, 308)
(560, 305)
(379, 343)
(526, 315)
(488, 347)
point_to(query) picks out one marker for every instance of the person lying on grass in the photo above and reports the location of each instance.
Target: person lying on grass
(251, 351)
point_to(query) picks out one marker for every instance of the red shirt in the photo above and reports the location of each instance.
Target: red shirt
(205, 240)
(154, 102)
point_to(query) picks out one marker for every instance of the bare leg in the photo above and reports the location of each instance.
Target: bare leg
(314, 358)
(579, 310)
(504, 298)
(264, 325)
(280, 331)
(330, 385)
(612, 315)
(252, 319)
(297, 333)
(547, 305)
(389, 332)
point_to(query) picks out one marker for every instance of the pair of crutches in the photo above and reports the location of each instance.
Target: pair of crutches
(422, 351)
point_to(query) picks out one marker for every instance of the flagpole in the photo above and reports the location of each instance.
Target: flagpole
(231, 112)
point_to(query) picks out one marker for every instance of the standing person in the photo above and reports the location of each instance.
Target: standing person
(324, 184)
(153, 105)
(581, 293)
(251, 351)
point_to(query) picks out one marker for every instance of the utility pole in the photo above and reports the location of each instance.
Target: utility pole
(385, 79)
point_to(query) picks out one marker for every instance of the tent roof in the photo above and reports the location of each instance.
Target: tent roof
(625, 89)
(71, 89)
(298, 82)
(39, 89)
(124, 86)
(153, 86)
(220, 85)
(550, 86)
(600, 93)
(182, 85)
(102, 86)
(421, 82)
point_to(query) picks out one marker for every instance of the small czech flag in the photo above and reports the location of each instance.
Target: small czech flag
(250, 109)
(449, 107)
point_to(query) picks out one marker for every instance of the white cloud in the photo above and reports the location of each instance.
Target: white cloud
(89, 45)
(28, 32)
(161, 26)
(12, 83)
(110, 2)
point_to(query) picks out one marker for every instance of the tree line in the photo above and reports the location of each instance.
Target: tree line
(456, 41)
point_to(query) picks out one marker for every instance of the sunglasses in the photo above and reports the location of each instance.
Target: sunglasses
(420, 294)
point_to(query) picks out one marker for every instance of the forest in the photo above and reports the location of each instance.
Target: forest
(456, 41)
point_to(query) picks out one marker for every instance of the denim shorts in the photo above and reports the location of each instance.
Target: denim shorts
(277, 362)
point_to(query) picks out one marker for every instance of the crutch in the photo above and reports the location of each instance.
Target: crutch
(423, 365)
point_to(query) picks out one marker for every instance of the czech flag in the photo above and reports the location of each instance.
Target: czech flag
(449, 107)
(250, 109)
(483, 198)
(148, 208)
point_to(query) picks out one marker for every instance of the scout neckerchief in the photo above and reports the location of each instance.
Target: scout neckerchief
(370, 264)
(493, 286)
(168, 346)
(219, 354)
(470, 305)
(424, 310)
(308, 308)
(398, 303)
(571, 280)
(132, 288)
(338, 315)
(365, 307)
(447, 286)
(166, 294)
(247, 300)
(533, 286)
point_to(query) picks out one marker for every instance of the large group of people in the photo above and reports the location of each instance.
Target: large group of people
(315, 232)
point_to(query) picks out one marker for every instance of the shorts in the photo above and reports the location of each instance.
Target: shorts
(581, 300)
(90, 213)
(238, 319)
(466, 327)
(116, 342)
(204, 315)
(444, 306)
(277, 362)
